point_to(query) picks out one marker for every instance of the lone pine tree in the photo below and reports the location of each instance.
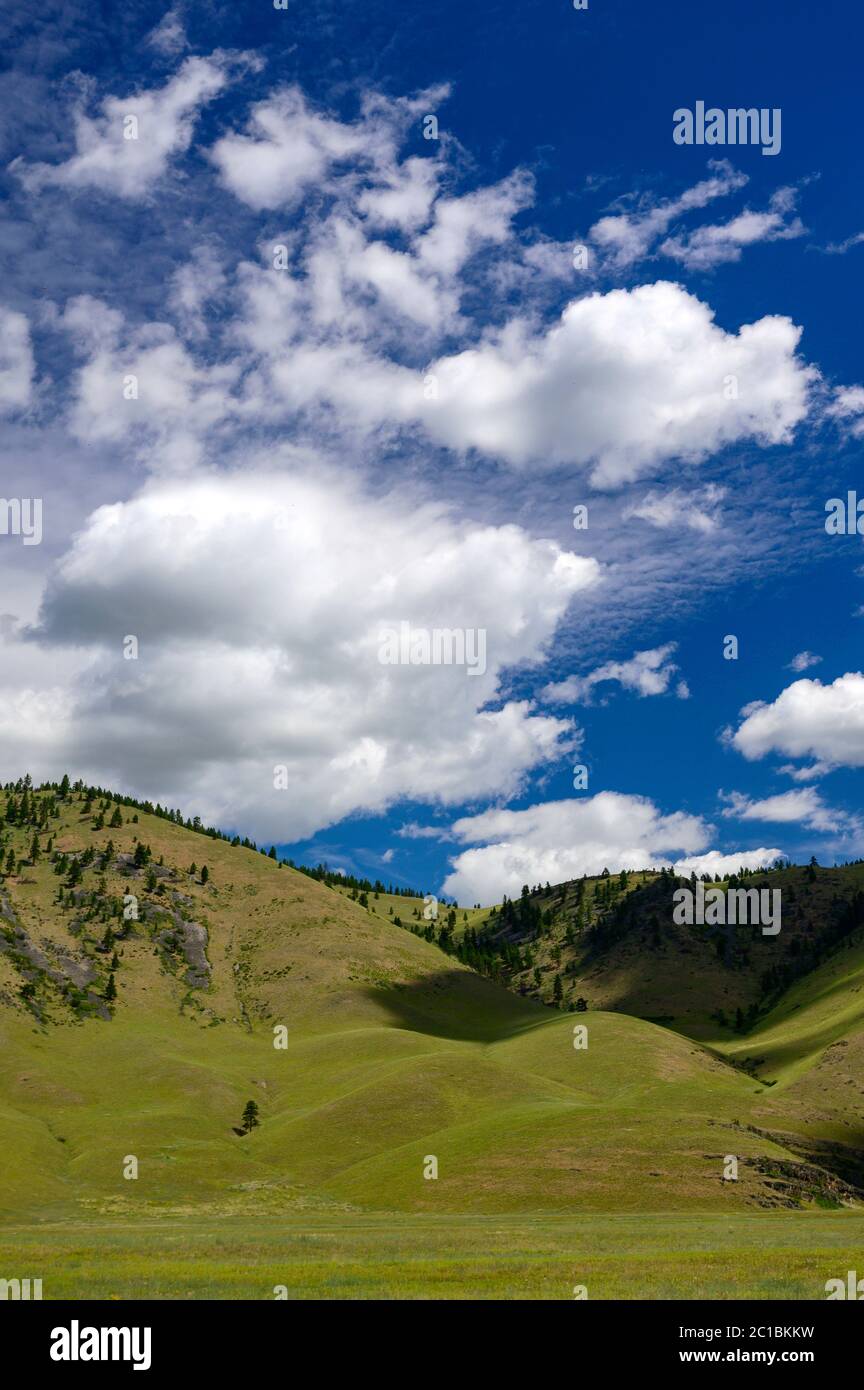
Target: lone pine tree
(250, 1117)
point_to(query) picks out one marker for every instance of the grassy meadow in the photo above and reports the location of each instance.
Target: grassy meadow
(769, 1255)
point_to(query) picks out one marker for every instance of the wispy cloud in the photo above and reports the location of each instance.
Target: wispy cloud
(724, 242)
(802, 661)
(647, 673)
(805, 807)
(694, 511)
(839, 248)
(126, 148)
(625, 238)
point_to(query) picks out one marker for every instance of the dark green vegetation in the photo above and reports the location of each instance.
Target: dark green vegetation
(162, 988)
(612, 939)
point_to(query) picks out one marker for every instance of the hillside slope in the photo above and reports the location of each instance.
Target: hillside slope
(144, 1038)
(614, 941)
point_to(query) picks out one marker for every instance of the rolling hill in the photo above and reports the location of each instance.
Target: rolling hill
(154, 979)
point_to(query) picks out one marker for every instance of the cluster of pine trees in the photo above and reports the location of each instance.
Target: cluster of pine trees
(23, 808)
(334, 878)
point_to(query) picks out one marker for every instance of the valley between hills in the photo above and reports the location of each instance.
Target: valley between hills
(155, 978)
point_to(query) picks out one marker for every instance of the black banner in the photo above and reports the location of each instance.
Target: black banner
(155, 1337)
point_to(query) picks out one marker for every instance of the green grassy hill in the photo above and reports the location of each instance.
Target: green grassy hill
(613, 941)
(144, 1036)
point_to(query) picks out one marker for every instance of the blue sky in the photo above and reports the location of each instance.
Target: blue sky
(241, 465)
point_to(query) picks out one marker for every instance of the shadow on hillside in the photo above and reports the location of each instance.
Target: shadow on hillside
(456, 1004)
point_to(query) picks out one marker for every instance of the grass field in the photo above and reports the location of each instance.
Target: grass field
(411, 910)
(763, 1256)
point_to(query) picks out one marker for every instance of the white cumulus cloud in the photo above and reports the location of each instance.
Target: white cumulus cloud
(259, 602)
(808, 720)
(560, 840)
(714, 862)
(624, 381)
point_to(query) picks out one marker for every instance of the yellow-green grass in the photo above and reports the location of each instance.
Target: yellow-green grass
(395, 1054)
(345, 1256)
(524, 1123)
(818, 1011)
(411, 911)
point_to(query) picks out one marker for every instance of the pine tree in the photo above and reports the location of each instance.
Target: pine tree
(111, 988)
(205, 873)
(250, 1117)
(35, 850)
